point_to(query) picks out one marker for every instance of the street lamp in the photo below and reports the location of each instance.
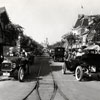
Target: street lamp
(19, 43)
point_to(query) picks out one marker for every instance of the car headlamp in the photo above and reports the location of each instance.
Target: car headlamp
(14, 65)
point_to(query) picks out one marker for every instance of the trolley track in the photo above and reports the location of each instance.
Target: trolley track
(38, 84)
(57, 89)
(35, 87)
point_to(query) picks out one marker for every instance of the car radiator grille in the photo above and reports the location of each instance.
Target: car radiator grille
(6, 67)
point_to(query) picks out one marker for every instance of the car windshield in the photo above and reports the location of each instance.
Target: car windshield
(9, 51)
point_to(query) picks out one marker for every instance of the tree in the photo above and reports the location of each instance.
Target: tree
(71, 39)
(11, 33)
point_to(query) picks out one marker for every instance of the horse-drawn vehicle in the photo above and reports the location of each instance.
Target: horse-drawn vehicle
(85, 64)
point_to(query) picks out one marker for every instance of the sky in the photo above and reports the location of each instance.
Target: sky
(50, 19)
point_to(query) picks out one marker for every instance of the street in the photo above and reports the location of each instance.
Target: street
(51, 84)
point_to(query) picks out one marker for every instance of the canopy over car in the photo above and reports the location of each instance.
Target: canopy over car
(93, 47)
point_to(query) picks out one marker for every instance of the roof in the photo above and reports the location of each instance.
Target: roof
(78, 23)
(81, 22)
(3, 15)
(2, 9)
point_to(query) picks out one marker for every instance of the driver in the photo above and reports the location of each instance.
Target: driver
(79, 53)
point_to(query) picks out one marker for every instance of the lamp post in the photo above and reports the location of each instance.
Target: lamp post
(19, 44)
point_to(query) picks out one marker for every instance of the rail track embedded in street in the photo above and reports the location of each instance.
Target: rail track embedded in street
(38, 85)
(57, 89)
(35, 87)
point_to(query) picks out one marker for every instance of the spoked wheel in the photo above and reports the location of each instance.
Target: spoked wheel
(21, 74)
(79, 73)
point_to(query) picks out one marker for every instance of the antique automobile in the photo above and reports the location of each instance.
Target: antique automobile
(84, 65)
(59, 54)
(16, 66)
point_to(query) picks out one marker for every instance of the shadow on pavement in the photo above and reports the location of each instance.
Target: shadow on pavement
(56, 68)
(94, 77)
(47, 65)
(69, 73)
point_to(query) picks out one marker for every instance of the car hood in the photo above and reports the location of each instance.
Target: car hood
(12, 59)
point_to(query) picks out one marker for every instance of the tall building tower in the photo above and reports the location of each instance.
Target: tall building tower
(47, 43)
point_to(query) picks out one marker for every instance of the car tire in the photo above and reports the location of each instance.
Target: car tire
(79, 73)
(21, 74)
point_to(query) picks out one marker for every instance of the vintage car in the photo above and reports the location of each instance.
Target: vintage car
(59, 54)
(15, 66)
(86, 64)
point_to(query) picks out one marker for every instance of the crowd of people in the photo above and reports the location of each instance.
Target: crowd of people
(73, 53)
(22, 53)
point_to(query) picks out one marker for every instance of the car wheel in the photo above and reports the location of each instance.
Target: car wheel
(21, 74)
(79, 73)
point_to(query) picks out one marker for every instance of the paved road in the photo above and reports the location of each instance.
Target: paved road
(68, 87)
(11, 89)
(75, 90)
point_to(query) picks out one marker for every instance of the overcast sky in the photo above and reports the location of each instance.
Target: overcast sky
(50, 19)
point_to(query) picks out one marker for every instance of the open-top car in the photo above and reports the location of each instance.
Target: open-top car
(16, 66)
(85, 64)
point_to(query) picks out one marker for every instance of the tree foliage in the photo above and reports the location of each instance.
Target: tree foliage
(71, 39)
(29, 44)
(11, 33)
